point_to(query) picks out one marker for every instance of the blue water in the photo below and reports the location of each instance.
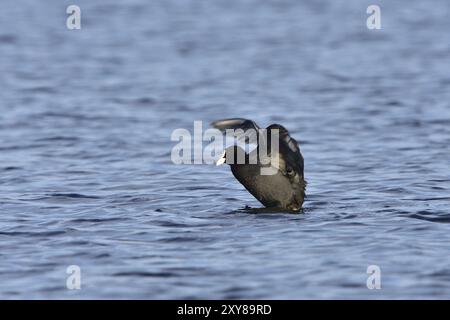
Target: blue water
(85, 171)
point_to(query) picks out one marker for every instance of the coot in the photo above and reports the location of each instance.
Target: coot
(284, 187)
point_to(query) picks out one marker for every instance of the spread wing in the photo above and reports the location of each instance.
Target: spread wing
(290, 155)
(248, 132)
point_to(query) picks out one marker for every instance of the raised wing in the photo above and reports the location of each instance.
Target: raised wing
(291, 158)
(248, 132)
(290, 155)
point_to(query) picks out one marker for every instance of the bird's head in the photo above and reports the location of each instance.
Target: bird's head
(233, 155)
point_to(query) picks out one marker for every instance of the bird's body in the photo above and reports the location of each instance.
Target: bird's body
(285, 187)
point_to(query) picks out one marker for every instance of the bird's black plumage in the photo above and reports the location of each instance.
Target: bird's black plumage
(285, 187)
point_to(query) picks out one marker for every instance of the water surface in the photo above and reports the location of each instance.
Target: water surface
(85, 171)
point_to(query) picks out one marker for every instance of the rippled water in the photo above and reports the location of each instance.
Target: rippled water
(86, 177)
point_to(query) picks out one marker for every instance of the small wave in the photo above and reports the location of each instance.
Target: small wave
(431, 216)
(96, 220)
(72, 196)
(58, 138)
(33, 234)
(11, 168)
(41, 89)
(7, 39)
(441, 274)
(146, 274)
(185, 239)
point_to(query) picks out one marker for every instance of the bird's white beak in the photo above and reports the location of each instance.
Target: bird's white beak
(222, 159)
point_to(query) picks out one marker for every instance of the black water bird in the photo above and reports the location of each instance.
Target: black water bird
(282, 184)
